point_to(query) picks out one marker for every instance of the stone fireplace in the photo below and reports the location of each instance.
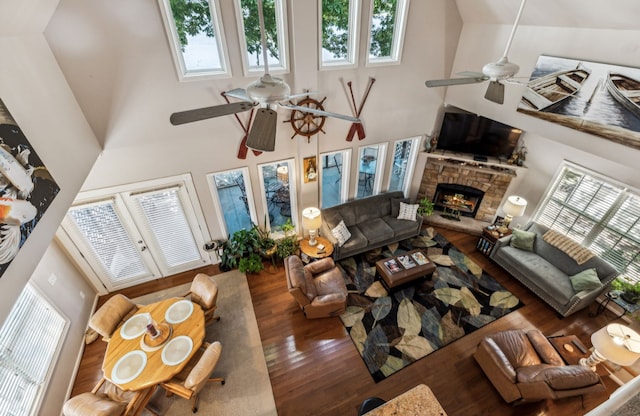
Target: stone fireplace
(484, 184)
(472, 198)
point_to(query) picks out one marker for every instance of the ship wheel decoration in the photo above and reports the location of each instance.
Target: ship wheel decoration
(307, 124)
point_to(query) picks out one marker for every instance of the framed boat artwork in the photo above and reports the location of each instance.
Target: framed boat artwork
(26, 188)
(596, 98)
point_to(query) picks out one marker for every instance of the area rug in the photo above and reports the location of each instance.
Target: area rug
(247, 389)
(393, 330)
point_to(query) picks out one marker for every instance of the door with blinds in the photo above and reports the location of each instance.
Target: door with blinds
(134, 236)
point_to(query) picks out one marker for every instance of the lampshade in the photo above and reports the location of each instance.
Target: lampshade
(282, 173)
(617, 343)
(515, 206)
(311, 219)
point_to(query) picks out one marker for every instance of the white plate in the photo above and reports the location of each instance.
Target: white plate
(177, 350)
(135, 326)
(129, 367)
(179, 311)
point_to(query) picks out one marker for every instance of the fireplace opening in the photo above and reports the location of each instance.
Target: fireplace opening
(454, 200)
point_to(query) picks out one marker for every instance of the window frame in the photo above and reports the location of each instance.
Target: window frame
(42, 389)
(293, 178)
(600, 226)
(218, 204)
(351, 61)
(345, 174)
(380, 168)
(399, 30)
(411, 163)
(283, 41)
(176, 49)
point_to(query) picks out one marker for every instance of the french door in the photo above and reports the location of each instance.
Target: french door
(131, 237)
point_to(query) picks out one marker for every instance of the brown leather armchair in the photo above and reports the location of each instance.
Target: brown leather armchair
(318, 287)
(523, 366)
(109, 316)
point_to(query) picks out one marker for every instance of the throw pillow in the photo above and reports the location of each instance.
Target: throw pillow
(522, 239)
(408, 211)
(395, 206)
(341, 233)
(585, 280)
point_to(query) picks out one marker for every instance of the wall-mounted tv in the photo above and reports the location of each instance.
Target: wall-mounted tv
(477, 135)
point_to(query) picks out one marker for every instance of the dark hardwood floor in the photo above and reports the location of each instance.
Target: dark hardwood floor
(315, 369)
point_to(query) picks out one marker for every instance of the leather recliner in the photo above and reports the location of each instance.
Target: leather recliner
(523, 366)
(318, 287)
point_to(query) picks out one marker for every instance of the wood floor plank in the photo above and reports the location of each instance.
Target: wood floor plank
(316, 370)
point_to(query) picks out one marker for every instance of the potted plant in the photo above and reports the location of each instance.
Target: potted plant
(241, 244)
(426, 207)
(629, 290)
(266, 245)
(251, 264)
(288, 245)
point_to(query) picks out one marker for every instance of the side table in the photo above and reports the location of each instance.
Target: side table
(312, 251)
(489, 238)
(614, 295)
(570, 348)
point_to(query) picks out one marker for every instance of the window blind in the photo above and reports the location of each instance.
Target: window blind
(598, 213)
(29, 340)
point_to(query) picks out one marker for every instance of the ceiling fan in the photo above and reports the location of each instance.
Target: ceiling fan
(494, 72)
(266, 92)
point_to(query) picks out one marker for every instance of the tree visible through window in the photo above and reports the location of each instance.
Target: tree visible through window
(335, 27)
(384, 16)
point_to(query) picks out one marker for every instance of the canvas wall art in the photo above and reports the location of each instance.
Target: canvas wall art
(26, 188)
(596, 98)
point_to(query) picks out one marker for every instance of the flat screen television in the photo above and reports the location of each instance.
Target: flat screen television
(477, 135)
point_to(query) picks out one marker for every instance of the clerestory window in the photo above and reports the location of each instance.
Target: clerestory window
(386, 31)
(196, 37)
(339, 33)
(597, 212)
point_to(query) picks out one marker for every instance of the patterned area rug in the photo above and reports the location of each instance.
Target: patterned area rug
(394, 330)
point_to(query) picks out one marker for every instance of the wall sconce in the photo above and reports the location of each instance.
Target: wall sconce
(514, 207)
(616, 343)
(311, 220)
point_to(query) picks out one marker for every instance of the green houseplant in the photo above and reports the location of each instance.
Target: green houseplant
(266, 245)
(287, 245)
(630, 290)
(251, 264)
(241, 244)
(426, 207)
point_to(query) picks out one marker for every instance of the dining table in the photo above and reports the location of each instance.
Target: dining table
(135, 360)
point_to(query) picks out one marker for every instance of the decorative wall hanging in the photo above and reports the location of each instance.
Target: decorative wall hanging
(26, 188)
(242, 150)
(310, 173)
(593, 97)
(358, 128)
(307, 124)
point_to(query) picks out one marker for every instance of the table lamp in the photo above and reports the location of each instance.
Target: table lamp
(311, 220)
(616, 343)
(514, 207)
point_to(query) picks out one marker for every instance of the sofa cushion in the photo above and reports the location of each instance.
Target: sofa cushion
(522, 239)
(376, 230)
(408, 211)
(401, 228)
(341, 233)
(371, 208)
(570, 377)
(357, 241)
(585, 280)
(395, 205)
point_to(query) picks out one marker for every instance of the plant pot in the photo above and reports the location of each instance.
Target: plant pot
(630, 297)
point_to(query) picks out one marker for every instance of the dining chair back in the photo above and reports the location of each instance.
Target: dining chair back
(204, 292)
(109, 316)
(190, 382)
(107, 399)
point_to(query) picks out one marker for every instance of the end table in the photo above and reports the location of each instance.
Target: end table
(614, 295)
(312, 251)
(489, 238)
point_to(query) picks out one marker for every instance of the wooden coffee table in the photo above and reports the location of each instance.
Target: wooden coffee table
(404, 275)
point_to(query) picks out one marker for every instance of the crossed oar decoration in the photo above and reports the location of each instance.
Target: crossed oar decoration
(243, 149)
(358, 128)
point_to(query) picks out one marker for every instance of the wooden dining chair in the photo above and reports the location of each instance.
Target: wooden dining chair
(107, 399)
(204, 292)
(191, 380)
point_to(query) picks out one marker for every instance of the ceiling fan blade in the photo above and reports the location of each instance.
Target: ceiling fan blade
(304, 94)
(263, 132)
(208, 112)
(455, 81)
(495, 92)
(471, 74)
(320, 112)
(239, 93)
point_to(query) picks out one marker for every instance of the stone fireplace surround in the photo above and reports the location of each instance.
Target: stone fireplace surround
(492, 179)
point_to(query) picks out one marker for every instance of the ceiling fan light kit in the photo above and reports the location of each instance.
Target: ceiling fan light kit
(494, 72)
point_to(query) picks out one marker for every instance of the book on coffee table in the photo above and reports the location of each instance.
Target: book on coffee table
(392, 266)
(407, 261)
(420, 258)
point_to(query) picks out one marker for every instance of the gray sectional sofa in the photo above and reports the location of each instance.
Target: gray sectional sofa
(371, 221)
(546, 271)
